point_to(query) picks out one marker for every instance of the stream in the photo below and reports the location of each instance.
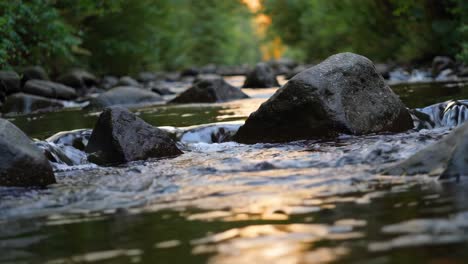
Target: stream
(314, 201)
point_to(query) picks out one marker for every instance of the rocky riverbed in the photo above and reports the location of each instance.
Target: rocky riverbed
(313, 200)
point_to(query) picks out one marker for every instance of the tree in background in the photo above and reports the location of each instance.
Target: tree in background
(124, 36)
(402, 30)
(32, 32)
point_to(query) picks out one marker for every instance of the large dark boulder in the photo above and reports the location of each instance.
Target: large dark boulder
(343, 94)
(49, 89)
(119, 136)
(78, 79)
(210, 89)
(445, 158)
(262, 76)
(21, 103)
(10, 82)
(34, 73)
(124, 96)
(22, 164)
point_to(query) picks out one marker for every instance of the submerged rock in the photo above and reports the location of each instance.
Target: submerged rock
(26, 103)
(124, 96)
(445, 158)
(119, 136)
(22, 164)
(210, 89)
(34, 73)
(49, 89)
(343, 94)
(262, 76)
(9, 82)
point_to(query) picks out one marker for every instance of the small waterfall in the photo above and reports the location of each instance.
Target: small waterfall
(66, 149)
(447, 114)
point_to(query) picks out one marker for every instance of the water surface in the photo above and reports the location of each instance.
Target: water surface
(300, 202)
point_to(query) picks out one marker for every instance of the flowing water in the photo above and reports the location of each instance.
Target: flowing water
(300, 202)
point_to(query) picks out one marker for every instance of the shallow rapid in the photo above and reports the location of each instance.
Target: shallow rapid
(304, 201)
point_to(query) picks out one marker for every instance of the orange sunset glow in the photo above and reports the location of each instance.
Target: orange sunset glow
(270, 49)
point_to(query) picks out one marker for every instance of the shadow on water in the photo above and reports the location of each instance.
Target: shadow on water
(300, 202)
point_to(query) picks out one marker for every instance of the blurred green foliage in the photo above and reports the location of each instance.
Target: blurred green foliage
(401, 30)
(125, 36)
(32, 32)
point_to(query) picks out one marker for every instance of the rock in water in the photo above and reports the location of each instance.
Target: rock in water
(124, 96)
(128, 81)
(210, 89)
(9, 82)
(78, 79)
(22, 164)
(25, 103)
(262, 76)
(34, 73)
(343, 94)
(440, 63)
(49, 89)
(119, 136)
(446, 157)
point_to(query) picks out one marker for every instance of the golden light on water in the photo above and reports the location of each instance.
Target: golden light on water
(272, 49)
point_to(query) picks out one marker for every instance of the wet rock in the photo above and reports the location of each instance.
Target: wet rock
(108, 82)
(49, 89)
(120, 136)
(9, 82)
(22, 164)
(124, 96)
(262, 76)
(441, 63)
(192, 72)
(21, 103)
(343, 94)
(78, 79)
(161, 88)
(34, 73)
(445, 158)
(210, 89)
(128, 81)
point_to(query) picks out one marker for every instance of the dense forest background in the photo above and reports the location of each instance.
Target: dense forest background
(126, 36)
